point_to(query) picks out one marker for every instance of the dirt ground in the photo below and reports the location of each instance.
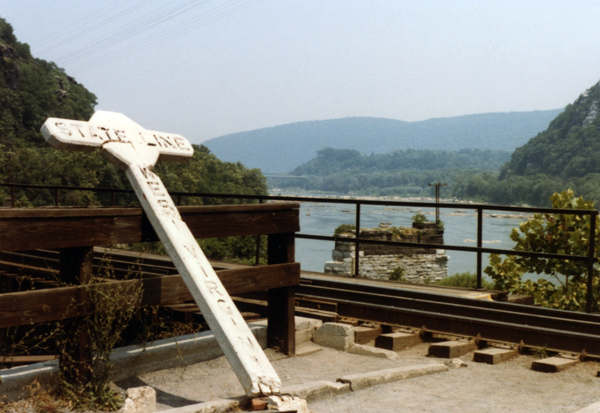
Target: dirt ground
(508, 387)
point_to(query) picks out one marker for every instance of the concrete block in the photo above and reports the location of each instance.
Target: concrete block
(451, 349)
(305, 328)
(317, 390)
(397, 341)
(140, 400)
(287, 403)
(553, 364)
(494, 355)
(305, 323)
(335, 335)
(364, 380)
(303, 336)
(372, 351)
(307, 349)
(363, 335)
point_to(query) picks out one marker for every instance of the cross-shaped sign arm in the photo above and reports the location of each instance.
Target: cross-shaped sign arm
(105, 127)
(135, 150)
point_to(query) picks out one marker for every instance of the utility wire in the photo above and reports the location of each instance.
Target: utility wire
(148, 22)
(77, 31)
(208, 17)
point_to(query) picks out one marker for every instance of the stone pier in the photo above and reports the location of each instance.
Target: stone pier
(378, 261)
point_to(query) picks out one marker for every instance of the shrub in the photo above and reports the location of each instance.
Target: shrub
(397, 274)
(344, 229)
(465, 280)
(419, 219)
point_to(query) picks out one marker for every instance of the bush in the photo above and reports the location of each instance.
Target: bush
(344, 229)
(465, 280)
(564, 233)
(419, 219)
(397, 274)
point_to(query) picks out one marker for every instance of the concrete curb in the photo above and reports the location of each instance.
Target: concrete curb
(128, 361)
(173, 352)
(319, 390)
(17, 381)
(364, 380)
(363, 350)
(215, 406)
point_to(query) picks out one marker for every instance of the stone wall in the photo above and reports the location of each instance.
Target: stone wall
(378, 261)
(417, 267)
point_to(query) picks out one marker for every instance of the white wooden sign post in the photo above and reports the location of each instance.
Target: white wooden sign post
(135, 150)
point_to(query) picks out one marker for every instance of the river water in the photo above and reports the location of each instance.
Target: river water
(460, 228)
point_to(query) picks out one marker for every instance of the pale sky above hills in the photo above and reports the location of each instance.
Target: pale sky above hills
(208, 68)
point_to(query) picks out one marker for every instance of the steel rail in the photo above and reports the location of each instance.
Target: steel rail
(496, 321)
(441, 312)
(439, 304)
(551, 339)
(447, 297)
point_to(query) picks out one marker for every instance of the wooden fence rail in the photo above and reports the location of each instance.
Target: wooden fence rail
(75, 231)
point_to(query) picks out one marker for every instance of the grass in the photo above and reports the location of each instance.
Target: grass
(465, 280)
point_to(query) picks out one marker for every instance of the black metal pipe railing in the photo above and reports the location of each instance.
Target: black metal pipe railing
(479, 208)
(479, 245)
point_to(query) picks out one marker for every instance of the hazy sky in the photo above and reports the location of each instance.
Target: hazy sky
(208, 68)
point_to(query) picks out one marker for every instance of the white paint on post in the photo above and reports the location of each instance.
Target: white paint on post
(135, 150)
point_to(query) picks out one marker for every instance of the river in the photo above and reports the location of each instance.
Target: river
(460, 228)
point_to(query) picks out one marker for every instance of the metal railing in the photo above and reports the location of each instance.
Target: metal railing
(479, 250)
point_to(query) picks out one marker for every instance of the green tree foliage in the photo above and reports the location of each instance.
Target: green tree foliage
(344, 229)
(402, 173)
(534, 190)
(330, 161)
(204, 173)
(31, 90)
(397, 274)
(419, 219)
(565, 155)
(558, 234)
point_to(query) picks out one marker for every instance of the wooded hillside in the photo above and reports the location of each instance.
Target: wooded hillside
(32, 90)
(400, 173)
(565, 155)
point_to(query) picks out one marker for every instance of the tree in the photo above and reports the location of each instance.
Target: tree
(552, 233)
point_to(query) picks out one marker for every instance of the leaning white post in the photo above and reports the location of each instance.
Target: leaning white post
(135, 150)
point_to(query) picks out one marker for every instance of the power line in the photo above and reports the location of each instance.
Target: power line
(146, 23)
(77, 31)
(163, 36)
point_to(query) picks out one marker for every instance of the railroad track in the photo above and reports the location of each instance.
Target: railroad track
(531, 326)
(390, 304)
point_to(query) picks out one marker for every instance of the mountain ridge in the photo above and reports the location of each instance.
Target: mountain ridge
(281, 148)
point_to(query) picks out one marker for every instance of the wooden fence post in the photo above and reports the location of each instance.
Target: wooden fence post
(281, 331)
(76, 265)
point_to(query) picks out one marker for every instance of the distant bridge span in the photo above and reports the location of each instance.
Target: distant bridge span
(286, 176)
